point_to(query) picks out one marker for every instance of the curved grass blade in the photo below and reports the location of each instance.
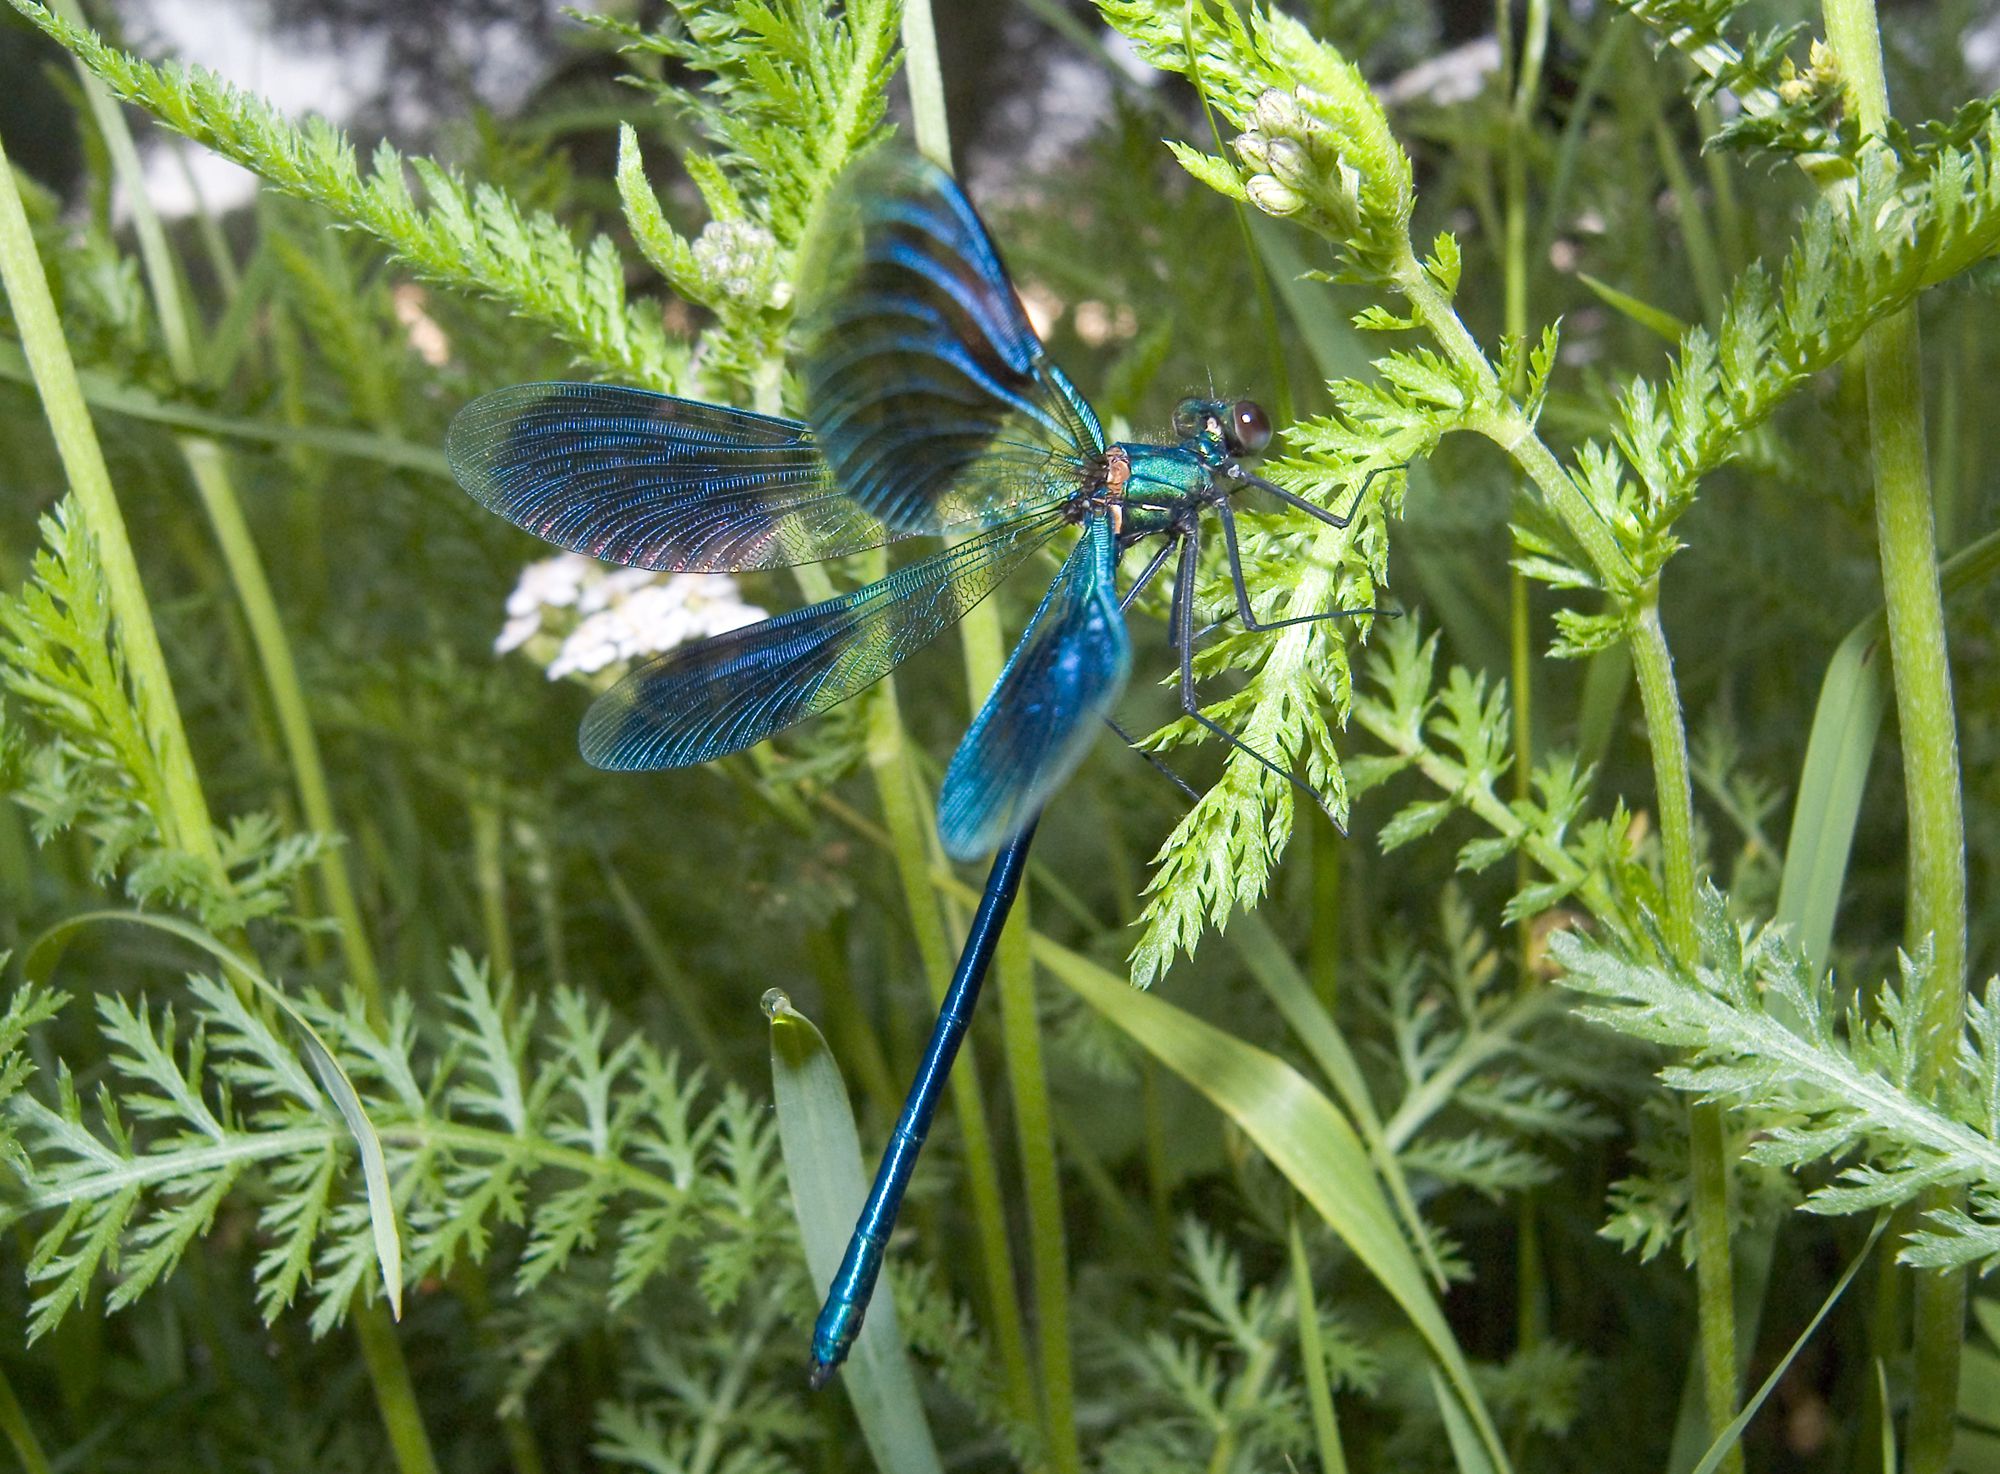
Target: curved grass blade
(39, 961)
(1726, 1439)
(823, 1165)
(1845, 724)
(1300, 1133)
(1466, 1452)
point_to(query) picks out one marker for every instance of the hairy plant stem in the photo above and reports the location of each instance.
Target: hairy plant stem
(1502, 422)
(1928, 728)
(1891, 363)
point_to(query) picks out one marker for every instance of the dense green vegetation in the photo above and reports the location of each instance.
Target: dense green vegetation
(382, 1088)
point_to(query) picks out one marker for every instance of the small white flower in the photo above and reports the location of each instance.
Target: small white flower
(613, 614)
(517, 631)
(606, 586)
(590, 647)
(551, 583)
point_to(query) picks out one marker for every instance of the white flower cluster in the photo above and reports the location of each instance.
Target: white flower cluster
(739, 258)
(576, 615)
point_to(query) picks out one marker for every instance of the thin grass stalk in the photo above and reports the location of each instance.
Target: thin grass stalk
(1312, 1358)
(395, 1396)
(1927, 723)
(169, 303)
(547, 894)
(20, 1432)
(186, 821)
(489, 874)
(1014, 962)
(1520, 117)
(902, 816)
(659, 960)
(209, 467)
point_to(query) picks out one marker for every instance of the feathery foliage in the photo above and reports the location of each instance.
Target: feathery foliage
(595, 1228)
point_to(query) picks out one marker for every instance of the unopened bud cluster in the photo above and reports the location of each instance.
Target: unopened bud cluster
(739, 259)
(1298, 165)
(1821, 78)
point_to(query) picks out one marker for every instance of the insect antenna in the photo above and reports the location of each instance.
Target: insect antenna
(1158, 766)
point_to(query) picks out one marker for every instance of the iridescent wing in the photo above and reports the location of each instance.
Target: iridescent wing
(651, 481)
(928, 392)
(1042, 716)
(733, 690)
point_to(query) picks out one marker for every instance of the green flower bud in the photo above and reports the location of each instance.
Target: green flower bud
(1253, 148)
(1273, 198)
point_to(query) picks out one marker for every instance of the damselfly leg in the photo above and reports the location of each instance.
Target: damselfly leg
(1184, 641)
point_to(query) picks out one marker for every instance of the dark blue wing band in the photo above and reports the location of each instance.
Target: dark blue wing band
(651, 481)
(928, 392)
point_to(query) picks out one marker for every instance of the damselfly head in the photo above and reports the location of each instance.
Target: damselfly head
(1219, 431)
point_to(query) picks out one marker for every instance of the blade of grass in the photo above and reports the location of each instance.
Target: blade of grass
(1312, 1356)
(1727, 1439)
(828, 1183)
(39, 961)
(1852, 697)
(1653, 319)
(187, 821)
(1286, 986)
(105, 393)
(1465, 1449)
(1302, 1135)
(20, 1432)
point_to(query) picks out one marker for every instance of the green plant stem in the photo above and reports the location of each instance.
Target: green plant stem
(925, 78)
(395, 1397)
(1020, 1024)
(209, 467)
(1927, 723)
(1502, 422)
(895, 786)
(186, 821)
(489, 872)
(20, 1432)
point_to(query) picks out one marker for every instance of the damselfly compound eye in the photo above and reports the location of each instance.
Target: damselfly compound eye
(1249, 427)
